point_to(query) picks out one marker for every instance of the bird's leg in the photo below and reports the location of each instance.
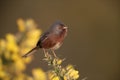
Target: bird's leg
(46, 53)
(54, 53)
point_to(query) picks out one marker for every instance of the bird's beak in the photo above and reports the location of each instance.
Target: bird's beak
(65, 27)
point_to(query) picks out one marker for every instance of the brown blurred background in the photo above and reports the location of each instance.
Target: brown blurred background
(92, 44)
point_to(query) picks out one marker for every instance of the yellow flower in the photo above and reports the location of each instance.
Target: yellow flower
(50, 75)
(35, 33)
(69, 67)
(71, 73)
(21, 25)
(59, 61)
(74, 74)
(1, 65)
(24, 49)
(19, 77)
(30, 24)
(65, 78)
(55, 78)
(15, 57)
(33, 36)
(2, 45)
(39, 74)
(19, 65)
(11, 60)
(11, 43)
(29, 78)
(27, 60)
(2, 74)
(7, 55)
(30, 42)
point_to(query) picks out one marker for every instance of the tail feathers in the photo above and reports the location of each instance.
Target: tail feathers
(31, 52)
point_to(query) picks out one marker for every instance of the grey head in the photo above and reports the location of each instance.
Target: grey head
(58, 27)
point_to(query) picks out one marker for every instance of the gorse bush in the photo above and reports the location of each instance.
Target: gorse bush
(13, 46)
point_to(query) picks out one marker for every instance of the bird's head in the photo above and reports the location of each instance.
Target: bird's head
(58, 27)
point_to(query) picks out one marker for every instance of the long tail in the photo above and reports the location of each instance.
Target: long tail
(31, 52)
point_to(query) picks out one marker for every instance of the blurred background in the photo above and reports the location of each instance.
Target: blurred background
(92, 44)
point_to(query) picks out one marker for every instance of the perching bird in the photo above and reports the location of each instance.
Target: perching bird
(51, 39)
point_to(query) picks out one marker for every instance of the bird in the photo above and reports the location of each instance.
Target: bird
(51, 39)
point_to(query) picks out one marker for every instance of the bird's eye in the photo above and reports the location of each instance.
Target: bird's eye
(60, 27)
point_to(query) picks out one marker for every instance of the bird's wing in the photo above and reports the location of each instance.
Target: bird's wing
(43, 38)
